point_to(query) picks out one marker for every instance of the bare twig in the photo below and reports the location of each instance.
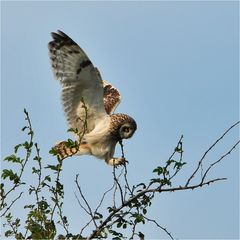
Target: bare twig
(80, 204)
(176, 148)
(8, 208)
(133, 230)
(121, 144)
(126, 181)
(85, 226)
(39, 173)
(85, 201)
(104, 194)
(208, 150)
(118, 183)
(54, 191)
(219, 160)
(163, 228)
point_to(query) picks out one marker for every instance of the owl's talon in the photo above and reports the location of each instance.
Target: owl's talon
(123, 162)
(117, 162)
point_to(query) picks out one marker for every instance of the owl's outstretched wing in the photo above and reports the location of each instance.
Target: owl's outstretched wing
(111, 97)
(80, 82)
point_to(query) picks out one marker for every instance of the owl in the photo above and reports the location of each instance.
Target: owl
(88, 102)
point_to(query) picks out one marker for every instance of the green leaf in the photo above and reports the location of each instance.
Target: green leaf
(29, 206)
(155, 180)
(47, 178)
(119, 224)
(13, 158)
(54, 167)
(166, 181)
(74, 130)
(179, 150)
(179, 165)
(31, 189)
(170, 161)
(144, 211)
(141, 235)
(53, 151)
(158, 170)
(54, 199)
(24, 128)
(11, 175)
(28, 145)
(70, 143)
(8, 233)
(138, 218)
(98, 216)
(43, 205)
(17, 147)
(37, 158)
(110, 209)
(9, 217)
(34, 170)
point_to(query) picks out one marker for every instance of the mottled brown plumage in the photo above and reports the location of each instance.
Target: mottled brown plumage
(111, 97)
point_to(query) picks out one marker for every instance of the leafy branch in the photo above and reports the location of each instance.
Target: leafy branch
(130, 205)
(9, 174)
(140, 196)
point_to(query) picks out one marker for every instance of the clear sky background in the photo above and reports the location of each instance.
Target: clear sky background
(176, 66)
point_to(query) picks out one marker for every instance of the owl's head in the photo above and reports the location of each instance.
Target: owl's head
(127, 129)
(122, 126)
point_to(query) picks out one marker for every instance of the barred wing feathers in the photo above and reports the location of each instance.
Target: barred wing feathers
(79, 80)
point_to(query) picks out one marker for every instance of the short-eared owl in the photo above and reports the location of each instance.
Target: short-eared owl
(88, 102)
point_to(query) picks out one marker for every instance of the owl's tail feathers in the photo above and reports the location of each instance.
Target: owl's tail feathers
(66, 149)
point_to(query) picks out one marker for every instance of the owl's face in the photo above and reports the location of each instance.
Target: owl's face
(122, 126)
(127, 130)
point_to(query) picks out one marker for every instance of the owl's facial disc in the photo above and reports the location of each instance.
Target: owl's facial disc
(126, 131)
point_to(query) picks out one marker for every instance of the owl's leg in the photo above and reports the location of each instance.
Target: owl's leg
(116, 161)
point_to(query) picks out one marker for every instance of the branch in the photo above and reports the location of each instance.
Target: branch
(28, 147)
(101, 201)
(143, 192)
(39, 173)
(164, 229)
(208, 150)
(116, 180)
(86, 202)
(219, 160)
(8, 208)
(133, 230)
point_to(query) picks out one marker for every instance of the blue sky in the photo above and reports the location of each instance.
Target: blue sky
(176, 66)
